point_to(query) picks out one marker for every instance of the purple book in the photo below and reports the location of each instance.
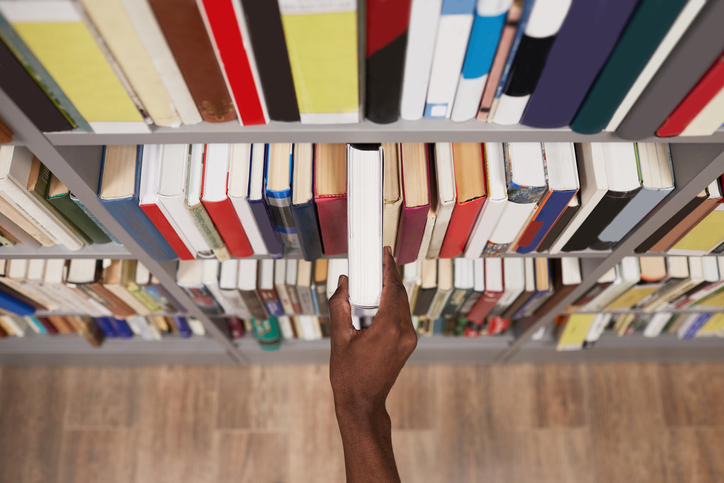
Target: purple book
(581, 49)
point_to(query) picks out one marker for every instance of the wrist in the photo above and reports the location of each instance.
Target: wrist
(355, 411)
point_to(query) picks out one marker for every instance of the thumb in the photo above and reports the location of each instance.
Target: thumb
(340, 312)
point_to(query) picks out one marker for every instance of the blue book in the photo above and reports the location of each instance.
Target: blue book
(182, 326)
(94, 219)
(484, 38)
(259, 207)
(278, 191)
(14, 305)
(690, 331)
(123, 330)
(551, 209)
(124, 207)
(106, 327)
(304, 210)
(39, 328)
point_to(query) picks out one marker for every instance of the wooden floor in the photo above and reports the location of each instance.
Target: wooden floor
(600, 423)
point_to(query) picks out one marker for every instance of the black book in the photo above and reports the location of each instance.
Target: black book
(560, 225)
(272, 59)
(25, 92)
(601, 216)
(428, 287)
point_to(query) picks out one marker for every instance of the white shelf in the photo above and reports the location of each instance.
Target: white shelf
(107, 250)
(425, 130)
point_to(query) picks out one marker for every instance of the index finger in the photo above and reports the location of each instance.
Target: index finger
(394, 296)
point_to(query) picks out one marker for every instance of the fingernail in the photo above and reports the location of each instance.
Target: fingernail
(339, 281)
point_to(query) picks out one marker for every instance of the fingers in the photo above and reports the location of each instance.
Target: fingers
(389, 268)
(340, 312)
(394, 307)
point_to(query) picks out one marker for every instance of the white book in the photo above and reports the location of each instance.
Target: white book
(280, 279)
(140, 326)
(453, 32)
(16, 271)
(495, 201)
(600, 322)
(155, 43)
(196, 326)
(364, 225)
(444, 288)
(35, 277)
(210, 280)
(594, 186)
(309, 332)
(421, 36)
(15, 165)
(53, 283)
(410, 278)
(545, 21)
(427, 233)
(285, 326)
(446, 196)
(228, 283)
(656, 324)
(513, 284)
(171, 200)
(686, 16)
(709, 119)
(238, 194)
(18, 330)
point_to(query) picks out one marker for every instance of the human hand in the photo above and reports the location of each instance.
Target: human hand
(364, 364)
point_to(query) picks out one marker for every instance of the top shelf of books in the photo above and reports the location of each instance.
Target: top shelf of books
(432, 130)
(180, 71)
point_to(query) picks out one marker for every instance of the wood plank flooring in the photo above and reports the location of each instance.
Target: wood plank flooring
(519, 423)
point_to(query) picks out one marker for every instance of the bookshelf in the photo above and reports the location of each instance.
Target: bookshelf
(75, 159)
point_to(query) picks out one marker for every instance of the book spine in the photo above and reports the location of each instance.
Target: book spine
(203, 221)
(423, 301)
(483, 306)
(549, 212)
(203, 299)
(159, 220)
(236, 327)
(280, 207)
(235, 302)
(305, 219)
(409, 234)
(14, 305)
(132, 218)
(229, 226)
(226, 33)
(333, 224)
(144, 298)
(254, 304)
(105, 297)
(320, 299)
(272, 238)
(189, 41)
(455, 302)
(271, 302)
(306, 300)
(106, 327)
(387, 23)
(182, 326)
(461, 224)
(294, 299)
(635, 211)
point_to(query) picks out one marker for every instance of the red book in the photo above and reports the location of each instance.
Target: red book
(469, 168)
(226, 33)
(154, 213)
(236, 327)
(696, 100)
(330, 196)
(494, 288)
(415, 201)
(217, 203)
(48, 325)
(497, 325)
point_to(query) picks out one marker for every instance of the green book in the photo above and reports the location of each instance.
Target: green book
(59, 196)
(267, 333)
(38, 184)
(645, 31)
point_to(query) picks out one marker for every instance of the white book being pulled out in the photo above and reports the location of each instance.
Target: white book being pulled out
(364, 224)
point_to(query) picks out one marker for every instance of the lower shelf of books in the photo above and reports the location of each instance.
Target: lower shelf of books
(613, 348)
(106, 250)
(72, 349)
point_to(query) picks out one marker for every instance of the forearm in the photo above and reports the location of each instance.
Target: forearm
(367, 441)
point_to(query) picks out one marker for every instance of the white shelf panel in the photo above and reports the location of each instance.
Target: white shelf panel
(426, 130)
(107, 250)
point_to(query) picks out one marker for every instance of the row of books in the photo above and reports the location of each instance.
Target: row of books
(543, 63)
(438, 200)
(37, 209)
(98, 329)
(97, 288)
(582, 331)
(658, 284)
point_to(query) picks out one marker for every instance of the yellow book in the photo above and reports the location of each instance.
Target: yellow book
(704, 237)
(57, 35)
(119, 34)
(714, 300)
(575, 331)
(713, 327)
(632, 296)
(321, 37)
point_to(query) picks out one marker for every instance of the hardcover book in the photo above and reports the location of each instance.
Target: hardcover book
(330, 196)
(304, 209)
(416, 201)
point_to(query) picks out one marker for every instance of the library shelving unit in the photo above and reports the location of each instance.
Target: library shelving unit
(75, 159)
